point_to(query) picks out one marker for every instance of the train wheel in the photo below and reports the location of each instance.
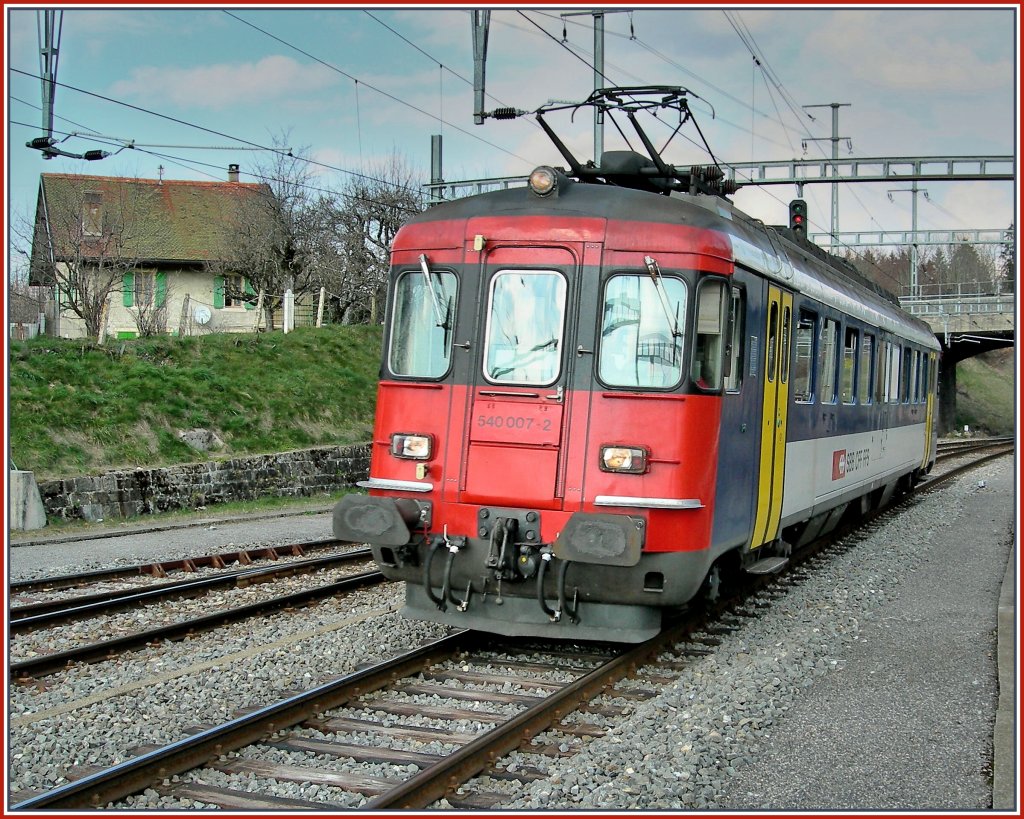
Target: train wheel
(711, 590)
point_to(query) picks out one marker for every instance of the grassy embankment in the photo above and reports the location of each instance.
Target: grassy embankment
(77, 408)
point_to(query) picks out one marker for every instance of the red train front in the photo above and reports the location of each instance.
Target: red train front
(545, 450)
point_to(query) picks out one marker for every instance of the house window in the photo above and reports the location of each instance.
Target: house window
(231, 291)
(234, 288)
(92, 213)
(145, 287)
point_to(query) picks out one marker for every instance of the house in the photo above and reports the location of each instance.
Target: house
(127, 257)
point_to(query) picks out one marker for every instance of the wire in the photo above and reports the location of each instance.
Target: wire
(210, 130)
(374, 88)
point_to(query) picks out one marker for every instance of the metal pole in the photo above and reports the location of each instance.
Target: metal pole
(481, 25)
(598, 83)
(835, 106)
(913, 245)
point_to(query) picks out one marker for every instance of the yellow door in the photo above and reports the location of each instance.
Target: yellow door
(929, 417)
(772, 462)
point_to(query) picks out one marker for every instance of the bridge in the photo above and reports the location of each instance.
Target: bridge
(966, 322)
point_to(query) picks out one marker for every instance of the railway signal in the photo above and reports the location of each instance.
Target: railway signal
(798, 217)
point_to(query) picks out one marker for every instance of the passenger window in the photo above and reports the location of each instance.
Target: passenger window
(893, 373)
(867, 360)
(787, 320)
(803, 368)
(849, 366)
(642, 327)
(773, 338)
(829, 360)
(906, 375)
(525, 321)
(734, 348)
(708, 341)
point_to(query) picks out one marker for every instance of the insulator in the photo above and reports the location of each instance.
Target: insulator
(504, 113)
(730, 186)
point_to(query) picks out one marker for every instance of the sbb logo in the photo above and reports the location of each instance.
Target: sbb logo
(839, 464)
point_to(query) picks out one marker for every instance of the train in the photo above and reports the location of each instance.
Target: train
(607, 392)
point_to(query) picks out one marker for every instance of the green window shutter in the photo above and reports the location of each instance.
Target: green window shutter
(249, 291)
(128, 289)
(161, 288)
(218, 292)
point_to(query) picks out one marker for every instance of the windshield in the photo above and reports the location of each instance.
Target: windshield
(525, 320)
(421, 334)
(642, 331)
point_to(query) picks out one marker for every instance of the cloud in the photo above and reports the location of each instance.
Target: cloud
(225, 85)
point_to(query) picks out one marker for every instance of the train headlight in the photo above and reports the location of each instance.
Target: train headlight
(416, 447)
(629, 459)
(543, 181)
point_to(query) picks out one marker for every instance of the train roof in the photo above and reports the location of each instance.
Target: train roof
(769, 250)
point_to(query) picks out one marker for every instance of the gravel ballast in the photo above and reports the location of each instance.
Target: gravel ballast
(870, 685)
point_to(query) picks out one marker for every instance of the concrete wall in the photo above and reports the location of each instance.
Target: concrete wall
(124, 493)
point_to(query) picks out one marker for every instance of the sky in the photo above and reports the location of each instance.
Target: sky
(195, 89)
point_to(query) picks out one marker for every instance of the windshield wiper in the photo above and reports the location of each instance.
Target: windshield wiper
(655, 271)
(442, 320)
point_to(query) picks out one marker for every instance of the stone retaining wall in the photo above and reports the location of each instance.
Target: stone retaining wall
(129, 492)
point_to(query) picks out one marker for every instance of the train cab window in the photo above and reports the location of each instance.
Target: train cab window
(709, 335)
(642, 328)
(847, 380)
(867, 360)
(803, 366)
(422, 326)
(734, 343)
(828, 361)
(525, 322)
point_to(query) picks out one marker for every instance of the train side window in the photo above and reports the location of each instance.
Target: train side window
(906, 374)
(915, 391)
(848, 380)
(642, 328)
(784, 347)
(734, 348)
(709, 335)
(772, 345)
(525, 321)
(422, 325)
(803, 369)
(881, 367)
(867, 360)
(892, 390)
(829, 360)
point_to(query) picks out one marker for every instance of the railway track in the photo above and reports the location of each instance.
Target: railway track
(350, 740)
(33, 617)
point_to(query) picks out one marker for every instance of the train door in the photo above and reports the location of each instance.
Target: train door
(774, 415)
(519, 401)
(928, 369)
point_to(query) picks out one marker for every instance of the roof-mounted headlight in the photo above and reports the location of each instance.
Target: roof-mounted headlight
(543, 181)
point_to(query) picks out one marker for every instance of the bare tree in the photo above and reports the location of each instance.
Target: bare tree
(273, 230)
(84, 243)
(363, 223)
(149, 299)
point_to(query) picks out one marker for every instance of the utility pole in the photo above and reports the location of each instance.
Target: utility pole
(834, 139)
(914, 288)
(481, 27)
(599, 78)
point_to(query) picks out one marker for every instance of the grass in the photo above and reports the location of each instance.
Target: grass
(78, 408)
(986, 393)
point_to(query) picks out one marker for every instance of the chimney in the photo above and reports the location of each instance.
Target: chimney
(232, 173)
